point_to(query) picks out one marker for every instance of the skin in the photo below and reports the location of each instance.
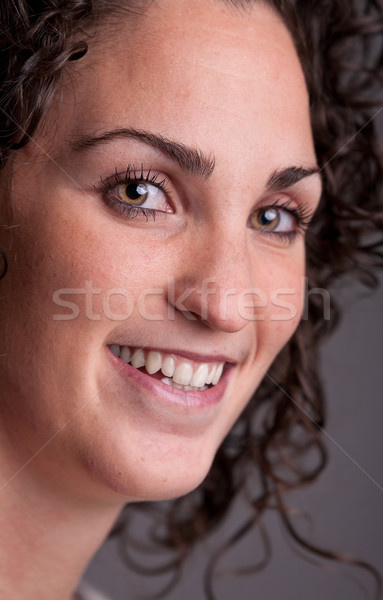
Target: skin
(233, 88)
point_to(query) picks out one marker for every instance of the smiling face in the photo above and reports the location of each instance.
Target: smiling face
(159, 222)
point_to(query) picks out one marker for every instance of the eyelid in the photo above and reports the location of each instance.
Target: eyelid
(132, 174)
(290, 203)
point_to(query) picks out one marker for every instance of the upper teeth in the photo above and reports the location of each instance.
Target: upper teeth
(181, 372)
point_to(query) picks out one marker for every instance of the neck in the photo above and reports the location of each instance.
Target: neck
(49, 537)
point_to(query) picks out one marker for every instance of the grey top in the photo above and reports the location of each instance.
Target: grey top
(87, 592)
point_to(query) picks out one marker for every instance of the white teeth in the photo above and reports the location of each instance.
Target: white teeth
(210, 377)
(168, 366)
(199, 377)
(126, 354)
(183, 374)
(153, 362)
(218, 374)
(138, 359)
(116, 350)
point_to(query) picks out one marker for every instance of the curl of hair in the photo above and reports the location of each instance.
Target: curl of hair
(4, 260)
(340, 46)
(36, 42)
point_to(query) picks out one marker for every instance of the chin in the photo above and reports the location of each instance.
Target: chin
(136, 477)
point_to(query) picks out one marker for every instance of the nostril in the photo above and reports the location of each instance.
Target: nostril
(194, 316)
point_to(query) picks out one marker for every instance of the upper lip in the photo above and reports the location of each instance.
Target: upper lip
(184, 353)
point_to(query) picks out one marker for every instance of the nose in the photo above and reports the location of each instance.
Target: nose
(214, 282)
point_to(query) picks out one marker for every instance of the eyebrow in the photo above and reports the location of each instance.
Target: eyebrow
(190, 159)
(290, 176)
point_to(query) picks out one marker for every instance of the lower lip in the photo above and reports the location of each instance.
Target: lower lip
(170, 395)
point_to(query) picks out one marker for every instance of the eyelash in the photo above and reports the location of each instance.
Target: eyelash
(132, 175)
(302, 214)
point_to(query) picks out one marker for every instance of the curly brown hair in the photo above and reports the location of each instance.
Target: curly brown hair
(340, 45)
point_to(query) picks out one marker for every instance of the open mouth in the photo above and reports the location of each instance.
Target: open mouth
(176, 371)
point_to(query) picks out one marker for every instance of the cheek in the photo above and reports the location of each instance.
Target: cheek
(62, 244)
(282, 285)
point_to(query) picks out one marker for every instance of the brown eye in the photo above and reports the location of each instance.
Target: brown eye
(267, 219)
(143, 196)
(134, 193)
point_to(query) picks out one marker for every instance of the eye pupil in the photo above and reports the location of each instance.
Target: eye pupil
(268, 219)
(134, 193)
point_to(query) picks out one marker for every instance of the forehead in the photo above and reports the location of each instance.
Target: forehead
(193, 70)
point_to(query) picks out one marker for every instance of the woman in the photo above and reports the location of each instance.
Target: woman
(156, 192)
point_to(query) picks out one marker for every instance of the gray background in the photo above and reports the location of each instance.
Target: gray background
(345, 504)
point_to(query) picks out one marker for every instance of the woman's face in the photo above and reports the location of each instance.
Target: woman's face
(159, 209)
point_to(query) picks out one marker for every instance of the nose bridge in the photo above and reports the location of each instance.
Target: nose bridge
(227, 260)
(214, 278)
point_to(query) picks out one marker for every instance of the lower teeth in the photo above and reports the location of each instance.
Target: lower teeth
(185, 388)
